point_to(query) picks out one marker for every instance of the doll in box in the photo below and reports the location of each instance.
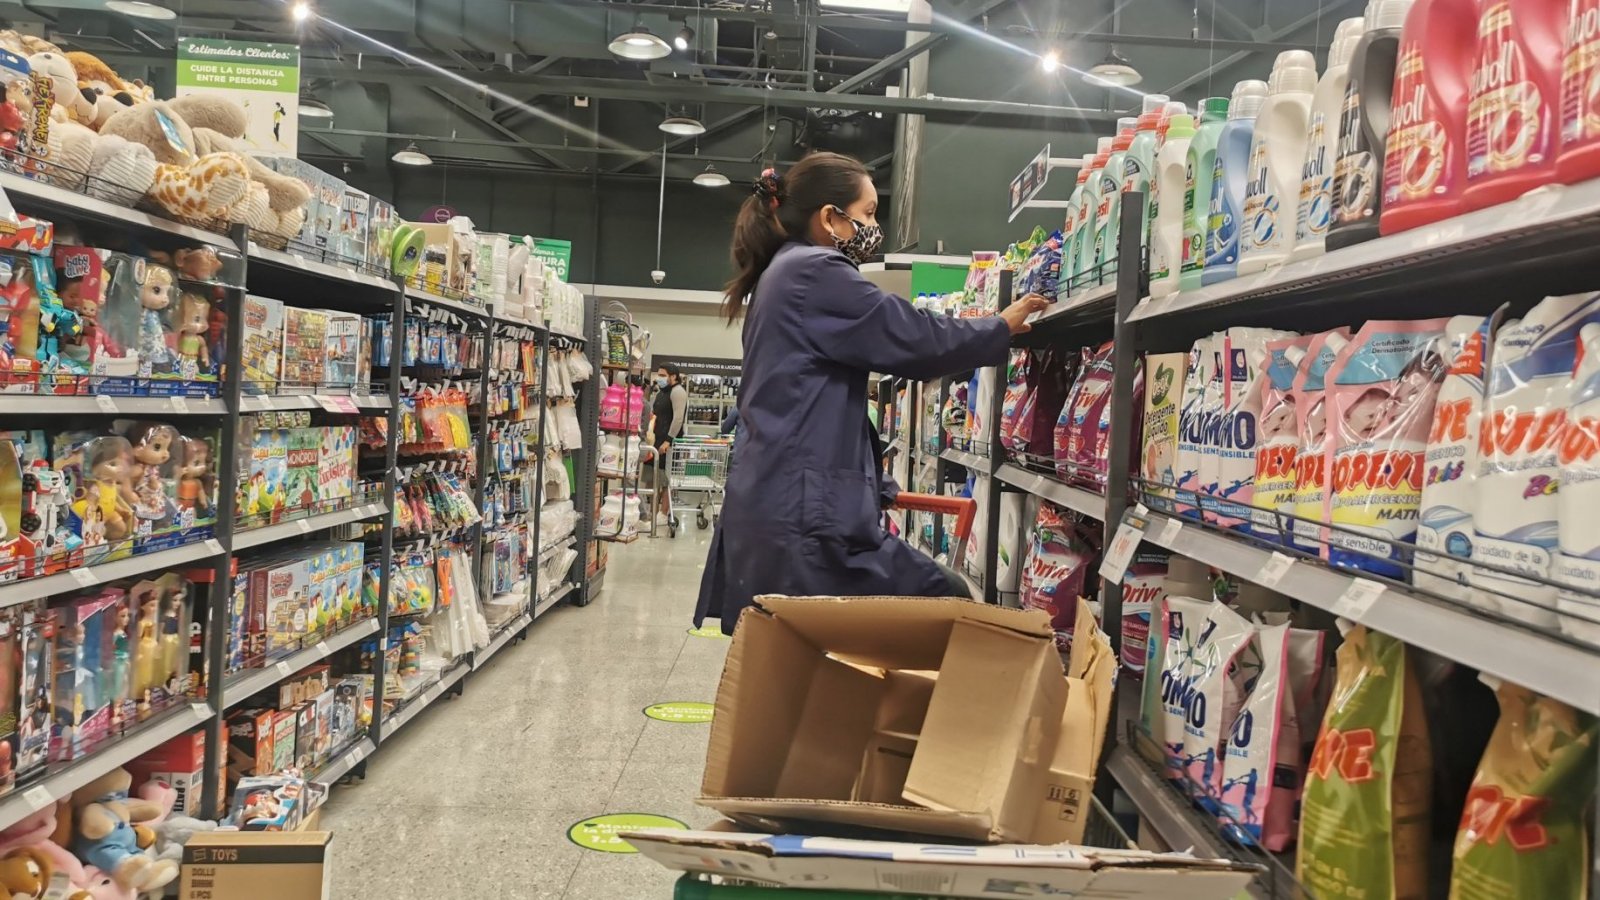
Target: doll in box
(36, 654)
(104, 501)
(173, 637)
(155, 296)
(152, 446)
(197, 482)
(146, 648)
(122, 318)
(116, 673)
(192, 322)
(81, 286)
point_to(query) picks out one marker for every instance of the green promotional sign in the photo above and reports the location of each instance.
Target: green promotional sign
(937, 278)
(707, 631)
(682, 712)
(600, 833)
(263, 79)
(554, 253)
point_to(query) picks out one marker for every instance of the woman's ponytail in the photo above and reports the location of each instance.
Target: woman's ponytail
(781, 208)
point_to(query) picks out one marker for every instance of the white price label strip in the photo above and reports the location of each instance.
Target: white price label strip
(84, 577)
(1168, 531)
(105, 403)
(1273, 570)
(1358, 598)
(1120, 553)
(283, 668)
(323, 649)
(304, 525)
(213, 546)
(200, 709)
(180, 405)
(38, 797)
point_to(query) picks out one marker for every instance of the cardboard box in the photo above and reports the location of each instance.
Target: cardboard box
(1003, 872)
(238, 865)
(922, 716)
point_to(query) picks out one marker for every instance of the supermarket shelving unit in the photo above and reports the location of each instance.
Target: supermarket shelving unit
(310, 280)
(1541, 244)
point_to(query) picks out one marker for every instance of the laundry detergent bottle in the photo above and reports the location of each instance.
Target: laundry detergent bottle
(1580, 94)
(1277, 156)
(1166, 210)
(1089, 218)
(1512, 131)
(1425, 156)
(1108, 214)
(1364, 125)
(1322, 144)
(1069, 231)
(1197, 169)
(1138, 167)
(1229, 174)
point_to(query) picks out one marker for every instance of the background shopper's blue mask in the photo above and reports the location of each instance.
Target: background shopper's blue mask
(661, 381)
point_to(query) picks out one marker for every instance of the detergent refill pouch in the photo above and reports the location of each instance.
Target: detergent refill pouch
(1182, 619)
(1577, 565)
(1277, 436)
(1380, 393)
(1077, 428)
(1251, 746)
(1523, 830)
(1017, 387)
(1444, 520)
(1310, 507)
(1201, 365)
(1143, 586)
(1524, 413)
(1364, 817)
(1216, 689)
(1055, 571)
(1238, 423)
(1159, 454)
(1184, 578)
(1213, 403)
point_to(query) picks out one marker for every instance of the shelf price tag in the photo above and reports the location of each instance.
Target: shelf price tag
(1115, 563)
(304, 525)
(283, 668)
(1168, 532)
(202, 710)
(106, 404)
(323, 649)
(213, 546)
(84, 577)
(1358, 598)
(37, 797)
(1273, 570)
(180, 405)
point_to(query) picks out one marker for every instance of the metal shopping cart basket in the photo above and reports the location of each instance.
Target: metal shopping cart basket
(697, 470)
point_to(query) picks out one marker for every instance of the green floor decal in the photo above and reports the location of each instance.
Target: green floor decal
(600, 832)
(683, 712)
(708, 631)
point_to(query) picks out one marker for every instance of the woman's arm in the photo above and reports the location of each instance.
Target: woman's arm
(850, 320)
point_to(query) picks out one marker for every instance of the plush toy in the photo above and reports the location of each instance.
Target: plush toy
(104, 836)
(101, 88)
(25, 874)
(219, 125)
(188, 184)
(68, 103)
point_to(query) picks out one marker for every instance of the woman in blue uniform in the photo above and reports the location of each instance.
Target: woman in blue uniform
(803, 510)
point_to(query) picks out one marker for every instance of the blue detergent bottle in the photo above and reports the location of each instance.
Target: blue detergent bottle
(1230, 174)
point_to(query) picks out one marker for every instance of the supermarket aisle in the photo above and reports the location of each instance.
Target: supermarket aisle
(475, 797)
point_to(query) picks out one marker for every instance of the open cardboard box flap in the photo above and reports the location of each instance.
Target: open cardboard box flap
(942, 870)
(922, 716)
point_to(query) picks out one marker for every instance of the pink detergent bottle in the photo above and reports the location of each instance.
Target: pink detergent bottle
(1516, 93)
(1425, 155)
(1580, 94)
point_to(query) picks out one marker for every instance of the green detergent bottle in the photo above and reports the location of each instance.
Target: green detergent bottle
(1197, 189)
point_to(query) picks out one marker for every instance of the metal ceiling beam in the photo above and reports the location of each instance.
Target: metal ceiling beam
(900, 58)
(1331, 13)
(505, 116)
(721, 125)
(487, 121)
(446, 140)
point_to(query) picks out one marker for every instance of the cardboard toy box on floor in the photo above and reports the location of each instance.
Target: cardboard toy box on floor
(250, 865)
(909, 715)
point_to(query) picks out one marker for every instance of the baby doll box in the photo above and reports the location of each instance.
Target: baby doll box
(912, 715)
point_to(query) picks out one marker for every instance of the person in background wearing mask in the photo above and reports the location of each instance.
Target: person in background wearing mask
(667, 416)
(802, 514)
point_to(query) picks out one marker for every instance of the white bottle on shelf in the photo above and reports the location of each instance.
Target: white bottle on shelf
(1166, 213)
(1322, 144)
(1277, 153)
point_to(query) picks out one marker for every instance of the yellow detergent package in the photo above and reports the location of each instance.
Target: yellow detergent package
(1364, 817)
(1524, 829)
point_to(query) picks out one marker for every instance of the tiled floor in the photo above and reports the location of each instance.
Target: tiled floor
(475, 796)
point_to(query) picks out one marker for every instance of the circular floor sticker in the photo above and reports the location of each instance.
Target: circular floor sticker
(682, 712)
(707, 631)
(600, 832)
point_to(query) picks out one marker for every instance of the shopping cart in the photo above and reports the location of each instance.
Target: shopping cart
(697, 468)
(965, 509)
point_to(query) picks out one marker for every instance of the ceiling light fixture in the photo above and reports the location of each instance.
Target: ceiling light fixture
(639, 44)
(711, 178)
(411, 156)
(1113, 71)
(1051, 60)
(312, 108)
(141, 10)
(684, 39)
(684, 126)
(301, 10)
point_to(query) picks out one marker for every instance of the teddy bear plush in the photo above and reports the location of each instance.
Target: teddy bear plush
(26, 872)
(188, 184)
(102, 89)
(104, 836)
(219, 125)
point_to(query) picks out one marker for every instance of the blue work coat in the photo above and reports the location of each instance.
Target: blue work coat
(803, 511)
